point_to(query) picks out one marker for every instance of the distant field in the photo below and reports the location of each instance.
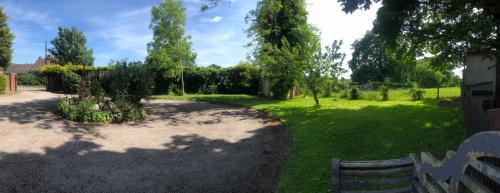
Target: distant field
(402, 94)
(353, 130)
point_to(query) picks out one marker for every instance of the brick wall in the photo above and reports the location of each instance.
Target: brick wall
(11, 85)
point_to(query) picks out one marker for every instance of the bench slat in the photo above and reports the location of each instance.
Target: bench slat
(417, 186)
(372, 172)
(487, 169)
(474, 186)
(366, 182)
(397, 190)
(376, 164)
(431, 188)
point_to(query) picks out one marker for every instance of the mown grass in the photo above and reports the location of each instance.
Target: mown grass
(353, 130)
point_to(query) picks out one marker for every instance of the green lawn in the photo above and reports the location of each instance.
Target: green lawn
(353, 130)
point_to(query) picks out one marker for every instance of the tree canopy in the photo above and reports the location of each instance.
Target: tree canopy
(282, 38)
(170, 51)
(6, 39)
(70, 48)
(374, 60)
(446, 29)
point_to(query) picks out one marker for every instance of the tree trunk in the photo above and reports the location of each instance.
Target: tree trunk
(315, 96)
(304, 95)
(182, 81)
(438, 91)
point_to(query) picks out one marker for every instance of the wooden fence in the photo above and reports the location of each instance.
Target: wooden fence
(476, 119)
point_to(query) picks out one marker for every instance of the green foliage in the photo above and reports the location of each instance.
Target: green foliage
(99, 111)
(384, 92)
(416, 94)
(30, 79)
(170, 51)
(445, 29)
(375, 60)
(3, 84)
(345, 94)
(131, 80)
(79, 69)
(324, 67)
(282, 40)
(70, 82)
(6, 39)
(355, 93)
(70, 48)
(242, 79)
(427, 76)
(89, 112)
(352, 130)
(68, 109)
(85, 111)
(128, 111)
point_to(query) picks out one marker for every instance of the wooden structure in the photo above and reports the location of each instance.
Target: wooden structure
(468, 170)
(11, 83)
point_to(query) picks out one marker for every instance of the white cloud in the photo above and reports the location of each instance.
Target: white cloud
(17, 13)
(127, 34)
(215, 19)
(334, 24)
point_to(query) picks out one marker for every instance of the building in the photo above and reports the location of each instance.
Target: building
(27, 68)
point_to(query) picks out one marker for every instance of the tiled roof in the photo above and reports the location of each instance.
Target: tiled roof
(22, 68)
(26, 68)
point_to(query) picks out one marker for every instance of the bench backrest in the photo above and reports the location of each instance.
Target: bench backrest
(383, 175)
(473, 168)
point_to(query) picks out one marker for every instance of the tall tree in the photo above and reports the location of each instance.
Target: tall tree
(446, 29)
(170, 51)
(281, 37)
(6, 39)
(70, 48)
(374, 60)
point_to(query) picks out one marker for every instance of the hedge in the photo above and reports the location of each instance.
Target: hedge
(57, 69)
(241, 79)
(30, 79)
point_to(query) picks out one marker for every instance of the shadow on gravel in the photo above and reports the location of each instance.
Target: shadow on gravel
(188, 164)
(41, 113)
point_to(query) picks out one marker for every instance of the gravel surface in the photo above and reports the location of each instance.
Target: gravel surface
(180, 147)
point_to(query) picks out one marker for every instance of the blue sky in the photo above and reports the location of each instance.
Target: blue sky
(118, 29)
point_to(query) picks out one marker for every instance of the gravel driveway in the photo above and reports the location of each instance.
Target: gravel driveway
(180, 147)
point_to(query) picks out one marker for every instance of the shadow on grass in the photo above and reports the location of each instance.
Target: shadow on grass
(367, 130)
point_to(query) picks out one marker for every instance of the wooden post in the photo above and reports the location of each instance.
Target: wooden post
(335, 175)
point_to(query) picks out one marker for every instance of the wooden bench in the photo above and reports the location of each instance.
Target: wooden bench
(471, 169)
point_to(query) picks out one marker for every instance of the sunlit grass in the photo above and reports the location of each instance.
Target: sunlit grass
(353, 130)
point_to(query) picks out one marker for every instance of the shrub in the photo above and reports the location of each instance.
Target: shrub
(30, 79)
(70, 82)
(3, 83)
(355, 93)
(344, 94)
(128, 111)
(242, 79)
(384, 92)
(92, 111)
(416, 94)
(131, 80)
(370, 96)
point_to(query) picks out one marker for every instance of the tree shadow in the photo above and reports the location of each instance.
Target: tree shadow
(189, 163)
(41, 114)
